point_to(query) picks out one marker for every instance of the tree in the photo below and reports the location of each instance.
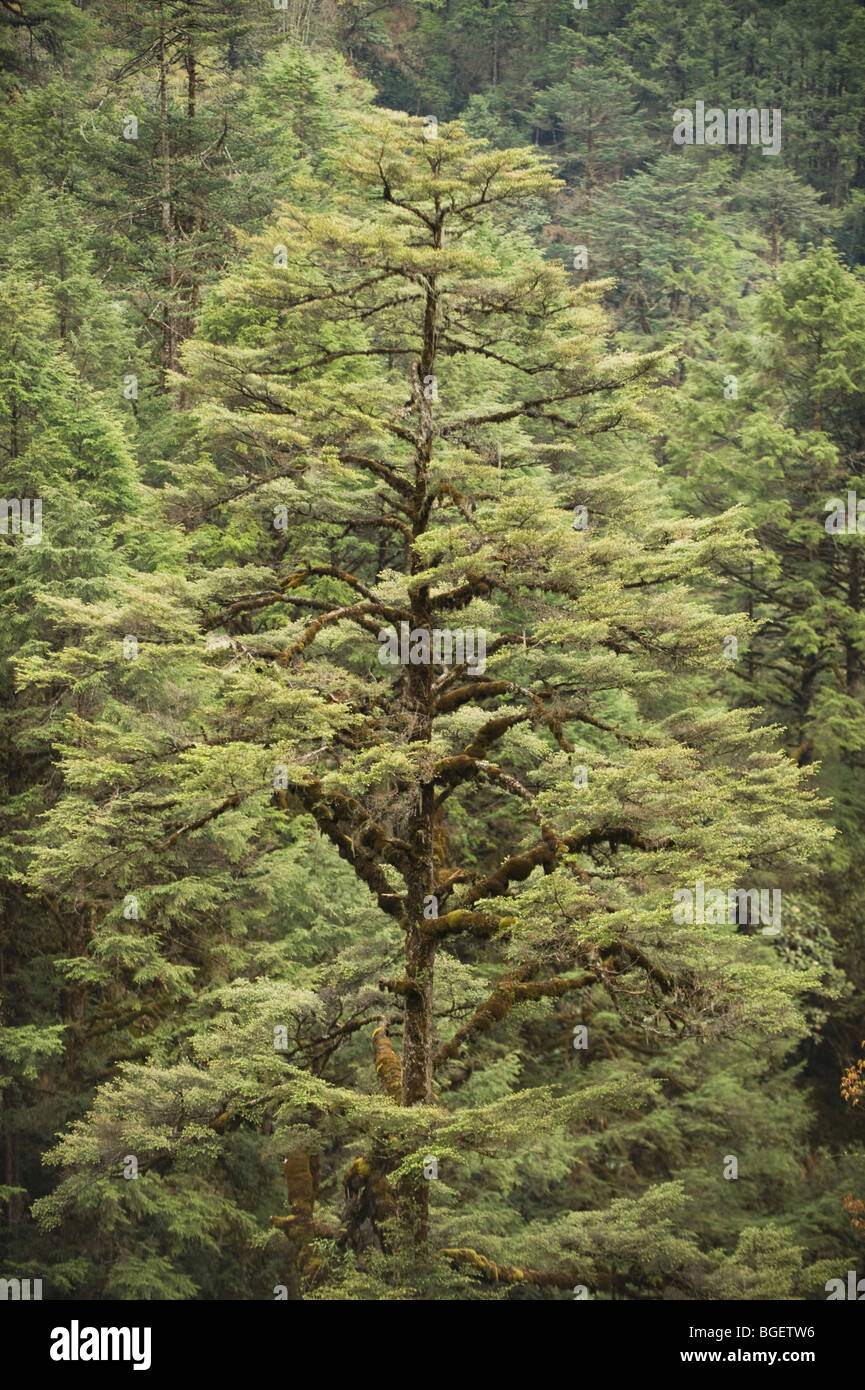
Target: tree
(69, 483)
(423, 412)
(786, 448)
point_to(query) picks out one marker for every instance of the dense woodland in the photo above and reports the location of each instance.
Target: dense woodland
(332, 978)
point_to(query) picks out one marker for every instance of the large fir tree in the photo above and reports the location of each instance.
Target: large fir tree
(416, 438)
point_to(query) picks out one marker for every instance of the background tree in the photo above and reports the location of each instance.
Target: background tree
(785, 446)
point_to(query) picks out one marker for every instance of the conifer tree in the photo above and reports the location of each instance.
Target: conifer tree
(786, 448)
(443, 633)
(68, 483)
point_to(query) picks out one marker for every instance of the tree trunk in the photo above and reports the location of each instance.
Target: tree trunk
(165, 198)
(191, 83)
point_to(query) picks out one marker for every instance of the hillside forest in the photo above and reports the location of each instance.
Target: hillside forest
(432, 656)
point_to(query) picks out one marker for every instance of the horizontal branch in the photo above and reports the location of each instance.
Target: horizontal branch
(229, 801)
(460, 920)
(516, 989)
(475, 690)
(491, 1273)
(550, 849)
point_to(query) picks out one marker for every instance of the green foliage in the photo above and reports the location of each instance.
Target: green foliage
(371, 389)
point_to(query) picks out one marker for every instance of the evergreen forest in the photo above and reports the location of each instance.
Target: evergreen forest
(432, 649)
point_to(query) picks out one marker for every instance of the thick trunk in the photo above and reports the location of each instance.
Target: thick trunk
(418, 1030)
(418, 1039)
